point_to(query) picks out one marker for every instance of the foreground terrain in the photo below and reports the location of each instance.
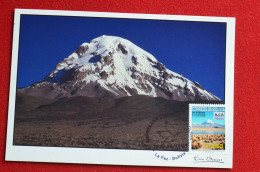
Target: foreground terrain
(136, 122)
(208, 141)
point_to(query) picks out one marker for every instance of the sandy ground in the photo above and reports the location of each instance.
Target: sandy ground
(209, 129)
(159, 133)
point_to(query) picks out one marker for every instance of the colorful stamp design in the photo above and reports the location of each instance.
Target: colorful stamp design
(208, 127)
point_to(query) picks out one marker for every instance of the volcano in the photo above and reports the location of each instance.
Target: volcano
(113, 67)
(209, 124)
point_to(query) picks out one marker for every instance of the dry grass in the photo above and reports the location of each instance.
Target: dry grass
(128, 123)
(209, 129)
(101, 134)
(208, 141)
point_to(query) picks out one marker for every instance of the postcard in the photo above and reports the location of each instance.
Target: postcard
(121, 89)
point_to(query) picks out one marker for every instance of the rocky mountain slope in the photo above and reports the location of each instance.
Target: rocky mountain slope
(114, 67)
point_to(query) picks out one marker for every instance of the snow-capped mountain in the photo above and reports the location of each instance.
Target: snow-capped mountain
(209, 124)
(111, 66)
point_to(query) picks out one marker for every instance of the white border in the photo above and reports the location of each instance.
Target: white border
(118, 156)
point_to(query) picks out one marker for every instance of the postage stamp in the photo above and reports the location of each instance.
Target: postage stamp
(207, 127)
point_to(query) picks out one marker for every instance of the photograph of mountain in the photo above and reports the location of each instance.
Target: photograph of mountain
(115, 83)
(111, 66)
(209, 124)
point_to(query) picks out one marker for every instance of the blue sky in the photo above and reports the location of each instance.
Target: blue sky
(195, 49)
(208, 115)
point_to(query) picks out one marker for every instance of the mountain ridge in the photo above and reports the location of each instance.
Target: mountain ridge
(209, 124)
(111, 66)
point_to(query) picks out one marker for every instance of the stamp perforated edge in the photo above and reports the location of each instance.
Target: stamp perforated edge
(190, 129)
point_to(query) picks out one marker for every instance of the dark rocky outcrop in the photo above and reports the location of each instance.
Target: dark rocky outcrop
(122, 48)
(104, 75)
(134, 59)
(160, 66)
(198, 85)
(132, 91)
(81, 50)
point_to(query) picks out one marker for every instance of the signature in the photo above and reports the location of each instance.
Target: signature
(207, 159)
